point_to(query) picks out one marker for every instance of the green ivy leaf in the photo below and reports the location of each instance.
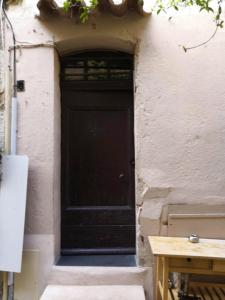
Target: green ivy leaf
(66, 6)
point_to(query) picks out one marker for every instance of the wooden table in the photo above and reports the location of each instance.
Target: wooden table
(175, 254)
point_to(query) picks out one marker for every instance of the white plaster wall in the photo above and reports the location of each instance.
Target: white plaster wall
(179, 111)
(36, 132)
(35, 135)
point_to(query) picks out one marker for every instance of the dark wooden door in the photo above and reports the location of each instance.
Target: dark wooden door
(98, 205)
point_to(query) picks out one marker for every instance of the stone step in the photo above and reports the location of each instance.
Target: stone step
(104, 292)
(70, 275)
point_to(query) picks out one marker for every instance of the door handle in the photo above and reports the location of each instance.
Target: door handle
(121, 176)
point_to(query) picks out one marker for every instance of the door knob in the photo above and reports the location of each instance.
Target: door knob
(121, 176)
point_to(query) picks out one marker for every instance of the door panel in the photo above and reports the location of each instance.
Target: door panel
(98, 210)
(107, 239)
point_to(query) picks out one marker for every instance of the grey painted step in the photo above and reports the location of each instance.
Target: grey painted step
(67, 275)
(121, 292)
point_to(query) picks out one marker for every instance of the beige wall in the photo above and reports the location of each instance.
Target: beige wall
(179, 114)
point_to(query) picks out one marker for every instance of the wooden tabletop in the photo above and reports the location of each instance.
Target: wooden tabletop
(178, 247)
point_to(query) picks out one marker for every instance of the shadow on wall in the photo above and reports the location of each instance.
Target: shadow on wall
(89, 42)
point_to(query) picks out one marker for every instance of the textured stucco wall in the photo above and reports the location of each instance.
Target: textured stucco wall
(4, 92)
(2, 88)
(179, 113)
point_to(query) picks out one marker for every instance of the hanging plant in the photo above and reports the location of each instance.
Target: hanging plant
(84, 10)
(12, 2)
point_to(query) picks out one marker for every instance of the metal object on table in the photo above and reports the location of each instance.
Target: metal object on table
(193, 238)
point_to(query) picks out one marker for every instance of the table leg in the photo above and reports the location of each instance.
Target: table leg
(158, 277)
(165, 273)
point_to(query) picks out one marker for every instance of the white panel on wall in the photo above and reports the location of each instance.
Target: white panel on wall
(13, 191)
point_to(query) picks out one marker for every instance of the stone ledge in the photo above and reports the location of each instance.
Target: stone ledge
(57, 292)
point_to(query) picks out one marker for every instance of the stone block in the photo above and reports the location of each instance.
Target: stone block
(59, 292)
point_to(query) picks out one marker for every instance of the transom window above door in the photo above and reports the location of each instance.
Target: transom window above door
(97, 66)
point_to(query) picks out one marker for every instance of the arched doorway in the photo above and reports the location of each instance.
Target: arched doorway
(97, 179)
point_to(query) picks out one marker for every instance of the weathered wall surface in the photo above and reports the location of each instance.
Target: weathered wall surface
(179, 113)
(2, 86)
(5, 92)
